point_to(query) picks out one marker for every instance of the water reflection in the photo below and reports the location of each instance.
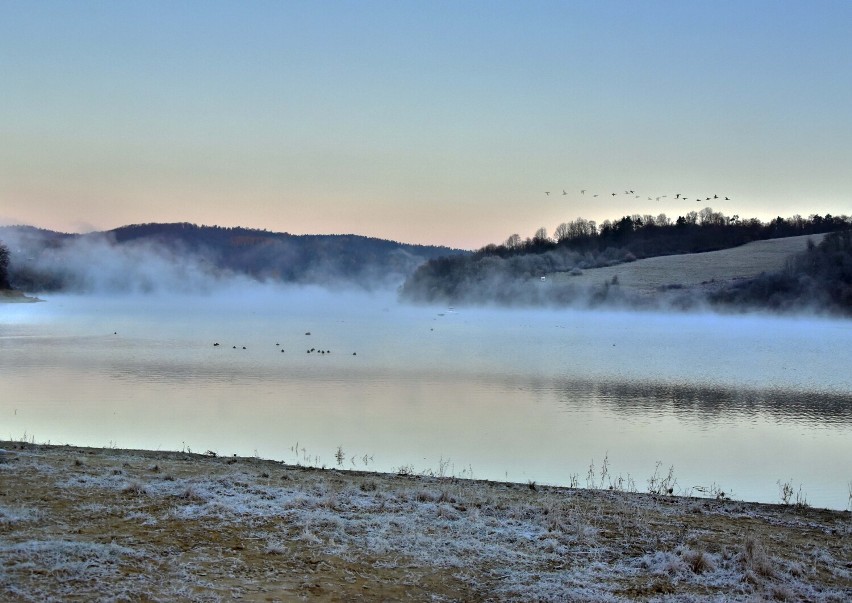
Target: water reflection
(704, 405)
(514, 395)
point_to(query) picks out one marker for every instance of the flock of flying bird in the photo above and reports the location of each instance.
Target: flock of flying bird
(635, 196)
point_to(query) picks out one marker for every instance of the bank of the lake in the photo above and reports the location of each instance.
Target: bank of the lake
(109, 524)
(16, 297)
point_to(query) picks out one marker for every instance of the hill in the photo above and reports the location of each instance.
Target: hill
(145, 257)
(647, 262)
(790, 274)
(688, 270)
(818, 279)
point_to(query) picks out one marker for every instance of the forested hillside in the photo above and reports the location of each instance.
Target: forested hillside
(149, 256)
(819, 279)
(502, 273)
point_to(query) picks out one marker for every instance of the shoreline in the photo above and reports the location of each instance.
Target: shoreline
(11, 296)
(104, 523)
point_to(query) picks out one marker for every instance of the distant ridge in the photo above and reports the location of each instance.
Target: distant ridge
(186, 229)
(45, 260)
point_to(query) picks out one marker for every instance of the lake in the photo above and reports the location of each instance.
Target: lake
(729, 403)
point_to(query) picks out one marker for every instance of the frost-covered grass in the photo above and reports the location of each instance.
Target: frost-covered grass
(202, 528)
(66, 568)
(16, 516)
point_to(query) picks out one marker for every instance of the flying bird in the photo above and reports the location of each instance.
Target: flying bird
(547, 193)
(677, 196)
(563, 192)
(582, 191)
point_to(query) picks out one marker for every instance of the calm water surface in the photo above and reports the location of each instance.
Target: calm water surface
(733, 402)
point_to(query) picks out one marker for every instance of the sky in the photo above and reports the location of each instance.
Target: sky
(422, 122)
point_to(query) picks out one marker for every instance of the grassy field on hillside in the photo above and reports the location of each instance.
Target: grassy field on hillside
(693, 269)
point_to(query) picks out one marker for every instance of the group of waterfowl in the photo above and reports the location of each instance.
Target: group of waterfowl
(309, 351)
(632, 193)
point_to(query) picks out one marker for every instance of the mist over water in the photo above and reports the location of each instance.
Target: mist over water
(516, 394)
(189, 259)
(96, 264)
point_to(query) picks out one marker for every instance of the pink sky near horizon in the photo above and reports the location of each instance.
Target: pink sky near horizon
(432, 123)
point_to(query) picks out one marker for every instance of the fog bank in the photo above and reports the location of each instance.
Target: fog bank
(185, 257)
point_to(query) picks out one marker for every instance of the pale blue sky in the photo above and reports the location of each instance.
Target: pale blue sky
(427, 122)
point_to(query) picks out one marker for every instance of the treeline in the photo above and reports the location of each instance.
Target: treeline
(647, 236)
(498, 273)
(819, 278)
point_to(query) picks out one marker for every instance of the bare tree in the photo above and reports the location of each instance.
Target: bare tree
(513, 242)
(709, 217)
(576, 229)
(562, 232)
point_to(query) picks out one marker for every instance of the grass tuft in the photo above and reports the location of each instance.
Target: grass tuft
(135, 489)
(697, 561)
(755, 559)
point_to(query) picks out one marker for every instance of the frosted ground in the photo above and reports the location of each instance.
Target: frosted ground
(106, 524)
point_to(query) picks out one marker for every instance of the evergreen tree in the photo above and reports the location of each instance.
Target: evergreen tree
(4, 267)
